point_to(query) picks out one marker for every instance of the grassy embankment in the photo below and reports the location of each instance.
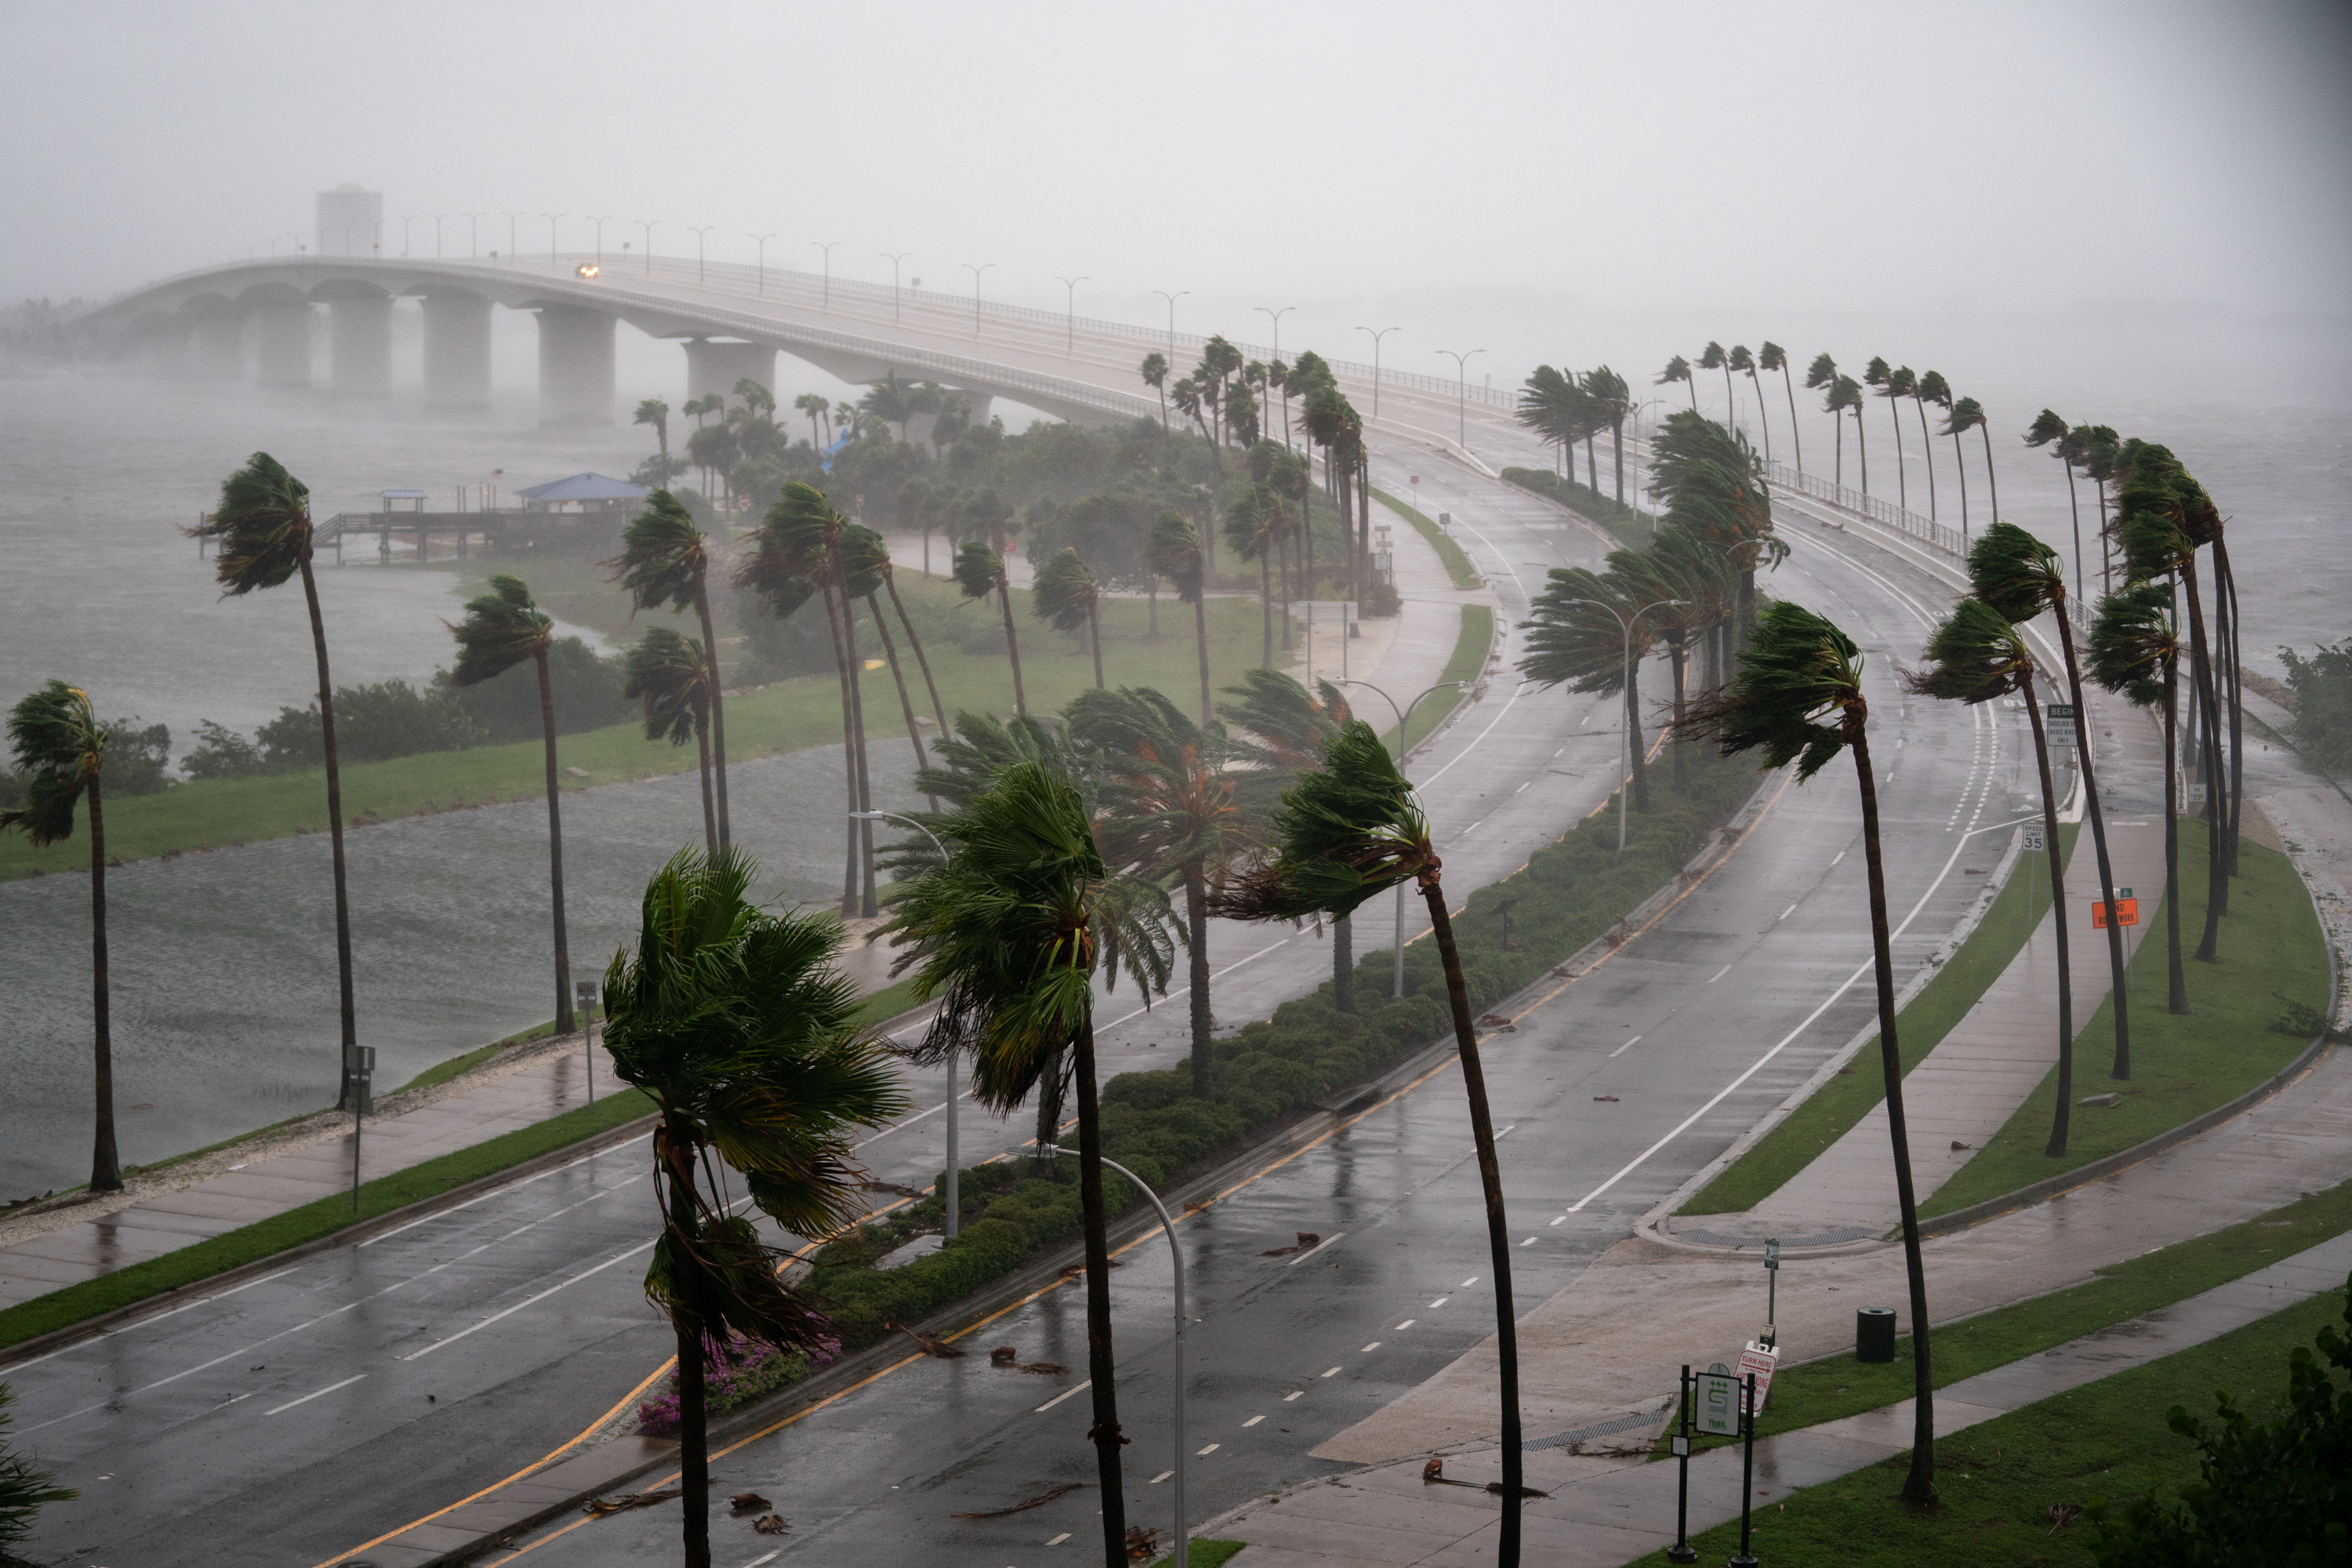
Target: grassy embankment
(785, 716)
(1457, 564)
(2000, 1480)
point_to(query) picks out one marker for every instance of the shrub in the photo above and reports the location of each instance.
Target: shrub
(734, 1374)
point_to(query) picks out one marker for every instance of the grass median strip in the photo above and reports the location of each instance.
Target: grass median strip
(1457, 564)
(321, 1217)
(1832, 1109)
(1470, 648)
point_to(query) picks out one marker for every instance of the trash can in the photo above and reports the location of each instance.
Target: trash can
(1874, 1334)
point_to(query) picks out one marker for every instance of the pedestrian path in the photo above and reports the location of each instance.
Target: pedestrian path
(1608, 1511)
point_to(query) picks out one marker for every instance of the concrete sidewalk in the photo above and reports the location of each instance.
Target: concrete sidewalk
(1611, 1510)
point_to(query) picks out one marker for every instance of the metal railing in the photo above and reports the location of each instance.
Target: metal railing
(1934, 535)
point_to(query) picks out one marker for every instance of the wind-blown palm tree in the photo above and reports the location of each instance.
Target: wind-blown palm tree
(1174, 553)
(2021, 577)
(1845, 396)
(1712, 357)
(1740, 360)
(1008, 934)
(1687, 586)
(1821, 374)
(261, 534)
(653, 411)
(1772, 356)
(2067, 445)
(1894, 384)
(2102, 450)
(1577, 634)
(667, 673)
(1155, 376)
(1065, 594)
(1797, 698)
(1343, 836)
(60, 748)
(1679, 369)
(2136, 649)
(666, 559)
(1552, 405)
(502, 629)
(1253, 526)
(866, 559)
(816, 406)
(738, 1027)
(979, 572)
(1978, 655)
(1611, 401)
(1961, 416)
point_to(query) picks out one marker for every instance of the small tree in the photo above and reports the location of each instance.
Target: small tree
(669, 675)
(1175, 552)
(1066, 595)
(666, 559)
(979, 572)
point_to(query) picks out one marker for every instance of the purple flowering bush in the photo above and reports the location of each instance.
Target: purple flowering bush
(734, 1374)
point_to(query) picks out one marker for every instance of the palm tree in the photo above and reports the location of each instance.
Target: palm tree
(915, 642)
(979, 571)
(1611, 400)
(1959, 418)
(2067, 446)
(736, 1024)
(1175, 553)
(1155, 376)
(2102, 450)
(1578, 632)
(1892, 385)
(502, 629)
(1182, 812)
(1821, 376)
(1683, 580)
(1283, 730)
(653, 411)
(1978, 655)
(867, 559)
(1008, 934)
(1975, 414)
(60, 748)
(816, 406)
(1550, 407)
(1679, 369)
(1712, 357)
(1343, 836)
(669, 674)
(889, 402)
(1797, 698)
(2021, 577)
(666, 559)
(1931, 387)
(1254, 526)
(1845, 396)
(1065, 594)
(1707, 479)
(2136, 649)
(1740, 360)
(261, 534)
(1772, 356)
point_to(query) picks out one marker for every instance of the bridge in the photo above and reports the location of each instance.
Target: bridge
(253, 318)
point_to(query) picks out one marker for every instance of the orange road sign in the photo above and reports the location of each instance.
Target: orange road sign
(2126, 914)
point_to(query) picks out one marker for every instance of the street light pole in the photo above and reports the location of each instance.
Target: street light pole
(1624, 727)
(1462, 395)
(954, 1199)
(975, 272)
(1172, 299)
(1404, 715)
(551, 219)
(513, 244)
(438, 219)
(600, 223)
(894, 260)
(699, 273)
(825, 248)
(762, 241)
(647, 225)
(1384, 331)
(1182, 1553)
(406, 220)
(473, 234)
(1070, 311)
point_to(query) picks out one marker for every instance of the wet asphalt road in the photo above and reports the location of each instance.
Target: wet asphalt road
(221, 1434)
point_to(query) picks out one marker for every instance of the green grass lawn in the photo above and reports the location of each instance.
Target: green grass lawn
(785, 716)
(1457, 564)
(1832, 1109)
(1998, 1480)
(2272, 953)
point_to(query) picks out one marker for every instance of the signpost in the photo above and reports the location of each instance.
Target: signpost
(2035, 843)
(583, 994)
(1771, 1289)
(1756, 1364)
(1717, 1402)
(2126, 910)
(362, 1078)
(1746, 1559)
(1682, 1551)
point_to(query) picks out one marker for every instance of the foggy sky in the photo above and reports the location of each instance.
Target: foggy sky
(2011, 158)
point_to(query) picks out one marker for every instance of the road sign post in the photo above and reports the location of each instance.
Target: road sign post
(1682, 1551)
(584, 998)
(1746, 1559)
(1771, 1289)
(362, 1078)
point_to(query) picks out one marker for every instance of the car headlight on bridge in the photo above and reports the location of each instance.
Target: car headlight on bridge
(587, 270)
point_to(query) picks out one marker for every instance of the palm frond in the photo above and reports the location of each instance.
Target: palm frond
(2015, 573)
(1975, 655)
(2133, 643)
(502, 627)
(60, 748)
(1342, 834)
(1063, 592)
(261, 528)
(1798, 689)
(663, 556)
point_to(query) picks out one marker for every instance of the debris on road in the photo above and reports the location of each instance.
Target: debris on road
(602, 1506)
(747, 1502)
(1008, 1356)
(1956, 1144)
(1040, 1500)
(1610, 1099)
(1140, 1543)
(1308, 1238)
(770, 1524)
(932, 1344)
(1278, 1252)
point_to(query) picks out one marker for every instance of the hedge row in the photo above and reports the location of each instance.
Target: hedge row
(1633, 527)
(1512, 932)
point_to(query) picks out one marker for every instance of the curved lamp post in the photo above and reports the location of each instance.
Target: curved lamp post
(1376, 336)
(894, 258)
(1182, 1553)
(1172, 299)
(976, 271)
(1462, 395)
(699, 234)
(1070, 310)
(825, 248)
(1625, 730)
(1404, 714)
(954, 1204)
(762, 240)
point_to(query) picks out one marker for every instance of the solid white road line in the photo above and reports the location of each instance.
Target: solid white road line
(528, 1300)
(1331, 1240)
(1061, 1396)
(1626, 1047)
(307, 1397)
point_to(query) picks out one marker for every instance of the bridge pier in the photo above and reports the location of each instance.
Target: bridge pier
(219, 344)
(456, 350)
(358, 343)
(715, 366)
(575, 366)
(281, 339)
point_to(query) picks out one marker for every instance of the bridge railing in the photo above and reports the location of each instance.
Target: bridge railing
(1950, 540)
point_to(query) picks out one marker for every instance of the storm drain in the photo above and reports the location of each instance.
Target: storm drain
(1583, 1434)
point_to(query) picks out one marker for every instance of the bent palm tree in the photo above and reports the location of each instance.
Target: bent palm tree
(666, 559)
(60, 748)
(2136, 649)
(1345, 835)
(1065, 594)
(1008, 934)
(1174, 553)
(1679, 369)
(2067, 446)
(1155, 376)
(1821, 376)
(979, 572)
(1740, 360)
(1586, 630)
(1611, 401)
(667, 673)
(1772, 356)
(2021, 577)
(261, 534)
(653, 411)
(1712, 357)
(735, 1024)
(502, 629)
(1960, 417)
(1893, 385)
(1978, 655)
(1797, 698)
(1845, 396)
(1253, 526)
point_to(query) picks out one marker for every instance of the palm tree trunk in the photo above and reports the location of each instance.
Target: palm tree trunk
(1959, 462)
(1680, 654)
(1012, 646)
(105, 1164)
(1796, 432)
(349, 1015)
(1634, 749)
(1093, 637)
(2225, 589)
(1837, 471)
(693, 1441)
(710, 810)
(938, 709)
(1201, 645)
(869, 905)
(1992, 478)
(906, 704)
(2116, 974)
(1919, 1487)
(1902, 480)
(1265, 603)
(1690, 383)
(2056, 1147)
(1617, 453)
(1591, 464)
(2176, 974)
(1343, 965)
(1729, 408)
(1196, 932)
(2207, 740)
(1862, 448)
(2074, 509)
(1282, 545)
(1927, 448)
(563, 1019)
(717, 709)
(1102, 1365)
(848, 755)
(1498, 1236)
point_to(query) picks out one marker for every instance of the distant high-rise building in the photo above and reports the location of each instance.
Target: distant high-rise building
(350, 221)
